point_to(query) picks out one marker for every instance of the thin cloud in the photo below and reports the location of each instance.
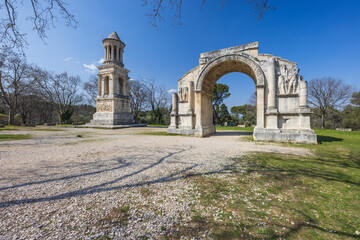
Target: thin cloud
(67, 59)
(172, 90)
(101, 61)
(90, 68)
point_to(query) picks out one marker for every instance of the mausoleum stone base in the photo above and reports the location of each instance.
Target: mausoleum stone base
(118, 118)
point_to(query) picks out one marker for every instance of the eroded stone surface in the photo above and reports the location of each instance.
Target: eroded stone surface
(282, 110)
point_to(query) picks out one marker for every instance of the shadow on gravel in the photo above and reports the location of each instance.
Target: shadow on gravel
(104, 186)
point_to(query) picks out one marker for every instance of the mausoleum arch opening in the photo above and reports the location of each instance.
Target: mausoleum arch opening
(115, 53)
(120, 86)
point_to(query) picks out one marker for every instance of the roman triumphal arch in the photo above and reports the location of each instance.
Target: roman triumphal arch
(282, 111)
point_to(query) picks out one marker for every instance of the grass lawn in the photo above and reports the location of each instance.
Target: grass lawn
(235, 128)
(271, 196)
(158, 125)
(8, 137)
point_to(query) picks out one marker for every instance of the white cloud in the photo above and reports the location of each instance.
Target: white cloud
(67, 59)
(172, 91)
(101, 61)
(131, 79)
(90, 68)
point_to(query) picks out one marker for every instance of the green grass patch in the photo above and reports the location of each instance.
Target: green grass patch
(234, 128)
(158, 125)
(37, 128)
(9, 137)
(279, 196)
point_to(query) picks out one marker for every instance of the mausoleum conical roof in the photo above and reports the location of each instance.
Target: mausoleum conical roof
(114, 36)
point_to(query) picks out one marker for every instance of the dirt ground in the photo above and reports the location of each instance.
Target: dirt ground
(117, 184)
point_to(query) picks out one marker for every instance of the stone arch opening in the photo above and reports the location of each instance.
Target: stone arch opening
(207, 79)
(242, 93)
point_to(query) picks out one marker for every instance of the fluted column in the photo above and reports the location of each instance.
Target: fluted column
(112, 53)
(111, 86)
(121, 56)
(174, 111)
(190, 97)
(303, 93)
(271, 84)
(99, 86)
(260, 121)
(102, 86)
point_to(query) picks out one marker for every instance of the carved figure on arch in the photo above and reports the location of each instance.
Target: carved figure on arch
(293, 79)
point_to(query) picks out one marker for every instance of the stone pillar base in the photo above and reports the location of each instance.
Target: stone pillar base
(118, 118)
(285, 135)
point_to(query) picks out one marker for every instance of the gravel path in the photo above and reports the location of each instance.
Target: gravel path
(116, 183)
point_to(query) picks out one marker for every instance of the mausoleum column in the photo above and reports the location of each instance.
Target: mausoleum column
(260, 122)
(112, 53)
(111, 86)
(99, 85)
(121, 56)
(303, 93)
(102, 86)
(105, 53)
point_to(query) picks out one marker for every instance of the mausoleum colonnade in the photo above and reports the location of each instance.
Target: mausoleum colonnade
(113, 53)
(108, 87)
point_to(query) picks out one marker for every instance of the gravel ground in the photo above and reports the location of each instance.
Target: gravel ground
(108, 183)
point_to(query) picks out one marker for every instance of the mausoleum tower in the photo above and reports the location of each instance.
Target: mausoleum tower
(113, 102)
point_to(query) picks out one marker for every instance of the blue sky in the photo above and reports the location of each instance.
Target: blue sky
(322, 36)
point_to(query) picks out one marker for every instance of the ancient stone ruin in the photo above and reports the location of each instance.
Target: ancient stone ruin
(113, 101)
(282, 110)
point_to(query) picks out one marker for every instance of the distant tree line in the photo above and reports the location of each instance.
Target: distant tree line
(334, 105)
(32, 95)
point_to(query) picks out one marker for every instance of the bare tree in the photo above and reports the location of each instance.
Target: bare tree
(59, 89)
(15, 79)
(139, 95)
(328, 93)
(44, 15)
(91, 89)
(158, 7)
(158, 98)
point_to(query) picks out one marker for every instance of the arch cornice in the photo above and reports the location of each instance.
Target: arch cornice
(258, 74)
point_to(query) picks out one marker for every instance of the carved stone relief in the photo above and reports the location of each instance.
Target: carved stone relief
(288, 80)
(183, 94)
(104, 106)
